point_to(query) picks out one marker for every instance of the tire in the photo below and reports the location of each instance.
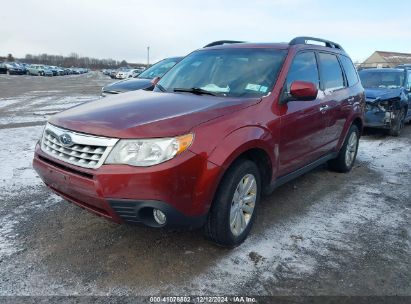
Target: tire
(229, 207)
(398, 124)
(346, 157)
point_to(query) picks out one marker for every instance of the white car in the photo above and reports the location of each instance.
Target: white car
(123, 74)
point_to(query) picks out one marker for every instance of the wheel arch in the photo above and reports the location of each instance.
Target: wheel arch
(359, 123)
(253, 143)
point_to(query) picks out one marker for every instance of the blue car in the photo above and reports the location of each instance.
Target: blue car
(388, 98)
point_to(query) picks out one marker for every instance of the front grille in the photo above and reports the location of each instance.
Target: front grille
(82, 150)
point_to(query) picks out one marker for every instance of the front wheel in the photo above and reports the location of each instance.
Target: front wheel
(233, 211)
(398, 123)
(348, 153)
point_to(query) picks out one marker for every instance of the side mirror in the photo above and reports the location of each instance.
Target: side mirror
(303, 90)
(154, 81)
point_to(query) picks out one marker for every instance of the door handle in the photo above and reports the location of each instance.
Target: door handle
(324, 108)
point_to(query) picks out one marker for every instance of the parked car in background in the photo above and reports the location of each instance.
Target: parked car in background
(75, 71)
(113, 74)
(388, 99)
(68, 71)
(14, 68)
(54, 70)
(143, 80)
(3, 68)
(223, 126)
(39, 70)
(57, 71)
(133, 73)
(122, 74)
(107, 71)
(48, 71)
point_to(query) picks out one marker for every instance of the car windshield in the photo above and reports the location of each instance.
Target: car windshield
(382, 79)
(158, 69)
(239, 72)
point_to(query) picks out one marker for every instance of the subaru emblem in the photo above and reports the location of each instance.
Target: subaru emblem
(65, 139)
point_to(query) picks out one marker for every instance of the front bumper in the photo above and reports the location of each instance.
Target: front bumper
(375, 117)
(182, 188)
(16, 72)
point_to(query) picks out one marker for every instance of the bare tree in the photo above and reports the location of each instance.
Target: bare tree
(74, 60)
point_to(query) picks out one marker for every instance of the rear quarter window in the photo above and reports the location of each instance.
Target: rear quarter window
(330, 70)
(350, 71)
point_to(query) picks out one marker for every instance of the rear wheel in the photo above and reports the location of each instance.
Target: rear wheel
(398, 123)
(233, 211)
(348, 153)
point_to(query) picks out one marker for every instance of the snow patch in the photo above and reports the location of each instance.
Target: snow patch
(16, 158)
(295, 247)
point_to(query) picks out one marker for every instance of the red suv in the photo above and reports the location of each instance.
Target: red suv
(225, 125)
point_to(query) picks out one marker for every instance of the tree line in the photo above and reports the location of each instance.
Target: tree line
(72, 60)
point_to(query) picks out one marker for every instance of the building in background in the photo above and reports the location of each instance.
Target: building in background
(380, 59)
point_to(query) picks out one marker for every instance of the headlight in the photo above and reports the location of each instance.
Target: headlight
(148, 152)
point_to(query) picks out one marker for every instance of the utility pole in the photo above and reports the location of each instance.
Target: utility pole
(148, 56)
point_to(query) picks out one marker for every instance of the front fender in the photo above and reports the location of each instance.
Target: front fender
(228, 150)
(242, 140)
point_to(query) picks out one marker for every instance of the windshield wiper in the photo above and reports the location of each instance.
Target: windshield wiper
(197, 91)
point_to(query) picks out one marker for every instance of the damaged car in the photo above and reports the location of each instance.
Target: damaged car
(388, 98)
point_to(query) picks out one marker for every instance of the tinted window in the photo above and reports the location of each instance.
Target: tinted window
(331, 73)
(303, 68)
(409, 80)
(350, 71)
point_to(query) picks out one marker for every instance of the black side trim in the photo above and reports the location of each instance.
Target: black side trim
(328, 43)
(290, 176)
(141, 212)
(222, 42)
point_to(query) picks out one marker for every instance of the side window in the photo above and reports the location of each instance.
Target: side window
(408, 80)
(350, 72)
(330, 71)
(303, 68)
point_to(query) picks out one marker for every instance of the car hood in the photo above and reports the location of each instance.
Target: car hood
(128, 85)
(143, 114)
(375, 94)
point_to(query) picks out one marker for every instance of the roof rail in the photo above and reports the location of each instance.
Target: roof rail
(221, 42)
(304, 40)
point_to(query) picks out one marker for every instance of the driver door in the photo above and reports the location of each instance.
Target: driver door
(302, 122)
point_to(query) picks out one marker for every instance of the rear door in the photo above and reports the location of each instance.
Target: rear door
(302, 122)
(335, 98)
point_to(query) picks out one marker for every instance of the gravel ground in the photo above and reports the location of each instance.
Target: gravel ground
(321, 234)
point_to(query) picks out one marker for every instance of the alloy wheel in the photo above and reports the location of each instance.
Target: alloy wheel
(351, 149)
(243, 203)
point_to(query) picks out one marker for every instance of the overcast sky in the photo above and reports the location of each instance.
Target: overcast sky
(122, 29)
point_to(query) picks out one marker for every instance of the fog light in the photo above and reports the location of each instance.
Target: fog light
(159, 216)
